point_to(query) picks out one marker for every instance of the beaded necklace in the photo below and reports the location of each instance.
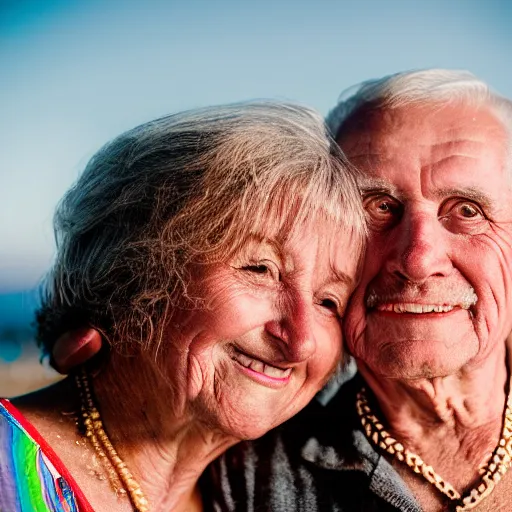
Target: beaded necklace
(491, 473)
(120, 477)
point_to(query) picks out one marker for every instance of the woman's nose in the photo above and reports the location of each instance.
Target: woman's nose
(295, 329)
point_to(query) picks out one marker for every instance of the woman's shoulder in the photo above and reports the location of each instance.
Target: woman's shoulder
(32, 477)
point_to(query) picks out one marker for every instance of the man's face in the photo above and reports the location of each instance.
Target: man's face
(436, 289)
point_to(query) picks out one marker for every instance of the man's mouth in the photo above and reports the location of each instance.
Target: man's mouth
(414, 308)
(391, 304)
(257, 365)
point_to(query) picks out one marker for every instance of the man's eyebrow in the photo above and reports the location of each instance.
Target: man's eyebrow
(470, 193)
(369, 184)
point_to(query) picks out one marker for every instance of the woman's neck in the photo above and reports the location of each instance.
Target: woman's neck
(155, 431)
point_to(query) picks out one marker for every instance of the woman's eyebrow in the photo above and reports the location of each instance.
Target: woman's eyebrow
(262, 243)
(342, 277)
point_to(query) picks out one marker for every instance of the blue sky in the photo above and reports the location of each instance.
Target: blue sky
(75, 74)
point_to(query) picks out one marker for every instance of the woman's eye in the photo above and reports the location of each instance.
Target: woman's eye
(263, 269)
(259, 269)
(383, 211)
(331, 305)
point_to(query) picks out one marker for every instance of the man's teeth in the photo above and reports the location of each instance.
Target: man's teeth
(464, 301)
(414, 308)
(261, 367)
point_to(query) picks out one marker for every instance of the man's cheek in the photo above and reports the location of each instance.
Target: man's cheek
(493, 283)
(354, 331)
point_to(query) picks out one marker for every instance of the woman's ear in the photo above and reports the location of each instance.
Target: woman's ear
(74, 348)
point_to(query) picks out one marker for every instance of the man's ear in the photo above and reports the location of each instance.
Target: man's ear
(74, 348)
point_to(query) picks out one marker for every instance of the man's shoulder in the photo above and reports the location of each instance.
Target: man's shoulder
(286, 468)
(320, 460)
(328, 420)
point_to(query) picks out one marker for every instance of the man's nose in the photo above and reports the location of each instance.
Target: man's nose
(295, 330)
(420, 249)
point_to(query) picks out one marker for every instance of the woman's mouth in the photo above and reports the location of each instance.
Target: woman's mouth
(257, 366)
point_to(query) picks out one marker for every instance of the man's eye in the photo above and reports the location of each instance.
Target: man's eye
(463, 217)
(383, 211)
(384, 207)
(468, 210)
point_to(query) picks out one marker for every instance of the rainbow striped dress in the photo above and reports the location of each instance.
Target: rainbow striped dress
(32, 477)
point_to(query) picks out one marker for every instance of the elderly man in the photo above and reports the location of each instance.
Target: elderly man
(425, 424)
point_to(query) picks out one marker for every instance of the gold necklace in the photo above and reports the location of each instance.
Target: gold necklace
(94, 431)
(491, 473)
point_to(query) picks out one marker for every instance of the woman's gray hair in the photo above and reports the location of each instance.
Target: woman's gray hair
(190, 187)
(419, 87)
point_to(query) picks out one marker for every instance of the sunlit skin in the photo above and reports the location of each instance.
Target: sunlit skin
(277, 303)
(438, 198)
(260, 337)
(428, 321)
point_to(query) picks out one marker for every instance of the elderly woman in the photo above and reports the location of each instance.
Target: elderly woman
(215, 251)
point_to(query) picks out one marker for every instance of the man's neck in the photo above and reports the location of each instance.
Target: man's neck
(468, 399)
(453, 423)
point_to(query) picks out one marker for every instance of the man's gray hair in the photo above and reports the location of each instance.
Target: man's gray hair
(190, 187)
(419, 87)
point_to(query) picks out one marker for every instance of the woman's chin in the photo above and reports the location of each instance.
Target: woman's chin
(251, 426)
(250, 419)
(245, 403)
(247, 415)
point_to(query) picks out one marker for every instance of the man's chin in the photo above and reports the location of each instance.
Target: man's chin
(420, 359)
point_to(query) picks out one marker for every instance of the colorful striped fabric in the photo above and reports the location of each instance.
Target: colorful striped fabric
(29, 480)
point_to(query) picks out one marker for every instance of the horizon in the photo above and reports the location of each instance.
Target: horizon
(80, 74)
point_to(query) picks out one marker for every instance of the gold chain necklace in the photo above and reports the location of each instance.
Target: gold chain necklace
(491, 473)
(94, 431)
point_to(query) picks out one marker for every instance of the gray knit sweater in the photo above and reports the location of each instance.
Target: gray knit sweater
(320, 460)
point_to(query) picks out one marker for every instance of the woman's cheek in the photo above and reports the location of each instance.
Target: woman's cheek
(207, 373)
(195, 378)
(329, 350)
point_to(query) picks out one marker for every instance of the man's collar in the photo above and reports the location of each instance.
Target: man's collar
(337, 443)
(344, 372)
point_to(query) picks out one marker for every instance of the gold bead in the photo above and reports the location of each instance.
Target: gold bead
(121, 480)
(491, 472)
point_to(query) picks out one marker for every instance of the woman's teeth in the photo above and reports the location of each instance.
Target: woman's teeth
(261, 367)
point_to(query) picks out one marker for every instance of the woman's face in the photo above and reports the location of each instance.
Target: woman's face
(268, 332)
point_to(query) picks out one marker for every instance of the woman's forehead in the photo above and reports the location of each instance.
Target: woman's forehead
(333, 243)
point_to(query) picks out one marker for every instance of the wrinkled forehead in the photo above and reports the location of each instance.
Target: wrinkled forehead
(319, 228)
(427, 133)
(444, 121)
